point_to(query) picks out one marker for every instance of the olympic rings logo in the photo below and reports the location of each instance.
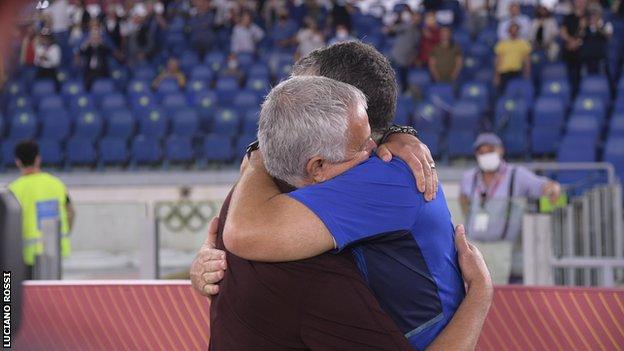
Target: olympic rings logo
(181, 215)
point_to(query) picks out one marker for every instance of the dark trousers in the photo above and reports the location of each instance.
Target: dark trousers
(574, 73)
(507, 76)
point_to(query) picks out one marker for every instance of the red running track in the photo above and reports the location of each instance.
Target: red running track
(168, 315)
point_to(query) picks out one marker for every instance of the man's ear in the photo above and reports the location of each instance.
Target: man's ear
(315, 169)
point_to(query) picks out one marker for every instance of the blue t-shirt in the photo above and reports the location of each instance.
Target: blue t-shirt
(403, 245)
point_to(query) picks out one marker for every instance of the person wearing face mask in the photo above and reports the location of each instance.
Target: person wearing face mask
(491, 198)
(407, 37)
(342, 35)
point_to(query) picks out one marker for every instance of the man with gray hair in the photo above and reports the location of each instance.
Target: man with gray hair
(314, 133)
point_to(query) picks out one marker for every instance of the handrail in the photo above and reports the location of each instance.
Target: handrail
(574, 166)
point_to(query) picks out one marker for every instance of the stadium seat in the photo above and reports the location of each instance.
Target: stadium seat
(196, 86)
(179, 149)
(555, 71)
(465, 115)
(226, 122)
(43, 87)
(245, 99)
(19, 103)
(80, 151)
(168, 86)
(418, 78)
(144, 73)
(476, 92)
(429, 117)
(145, 150)
(138, 86)
(55, 124)
(258, 70)
(595, 85)
(250, 121)
(174, 101)
(260, 85)
(515, 142)
(558, 88)
(217, 148)
(577, 149)
(120, 124)
(81, 102)
(8, 152)
(188, 60)
(226, 89)
(120, 77)
(71, 88)
(242, 142)
(51, 102)
(51, 152)
(205, 105)
(484, 75)
(549, 112)
(511, 114)
(88, 126)
(520, 89)
(215, 60)
(113, 101)
(614, 153)
(544, 140)
(460, 143)
(583, 125)
(102, 86)
(432, 140)
(441, 95)
(589, 105)
(202, 73)
(113, 151)
(2, 126)
(616, 126)
(15, 88)
(153, 123)
(23, 126)
(184, 122)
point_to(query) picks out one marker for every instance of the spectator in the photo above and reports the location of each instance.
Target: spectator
(488, 198)
(171, 71)
(407, 32)
(112, 26)
(595, 37)
(445, 61)
(309, 38)
(95, 53)
(59, 14)
(142, 35)
(47, 56)
(572, 34)
(202, 27)
(544, 33)
(342, 35)
(515, 16)
(27, 46)
(430, 37)
(512, 58)
(284, 32)
(232, 69)
(339, 14)
(245, 35)
(476, 15)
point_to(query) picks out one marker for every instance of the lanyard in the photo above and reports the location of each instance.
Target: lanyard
(484, 196)
(488, 193)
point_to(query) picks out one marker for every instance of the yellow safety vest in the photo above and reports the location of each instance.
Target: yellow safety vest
(40, 194)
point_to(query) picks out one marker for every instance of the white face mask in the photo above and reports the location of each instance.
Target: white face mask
(406, 16)
(489, 162)
(342, 34)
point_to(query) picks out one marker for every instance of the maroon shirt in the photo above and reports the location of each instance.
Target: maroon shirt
(321, 303)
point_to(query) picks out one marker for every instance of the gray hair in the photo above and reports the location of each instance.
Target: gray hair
(304, 117)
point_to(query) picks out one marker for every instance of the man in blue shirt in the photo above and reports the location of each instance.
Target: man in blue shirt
(315, 130)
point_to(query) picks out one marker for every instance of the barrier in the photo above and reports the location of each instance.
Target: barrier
(169, 315)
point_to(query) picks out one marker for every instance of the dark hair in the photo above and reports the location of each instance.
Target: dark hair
(362, 66)
(27, 151)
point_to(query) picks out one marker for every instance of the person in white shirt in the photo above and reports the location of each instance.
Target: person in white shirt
(515, 16)
(342, 35)
(544, 33)
(477, 15)
(47, 56)
(309, 38)
(245, 35)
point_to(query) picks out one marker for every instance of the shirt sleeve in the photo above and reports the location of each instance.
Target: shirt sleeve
(528, 183)
(371, 199)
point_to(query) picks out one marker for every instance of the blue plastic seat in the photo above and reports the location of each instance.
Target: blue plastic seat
(460, 143)
(51, 152)
(145, 150)
(583, 125)
(113, 151)
(217, 148)
(138, 86)
(544, 140)
(226, 89)
(140, 102)
(250, 121)
(432, 139)
(184, 122)
(549, 112)
(511, 113)
(72, 88)
(242, 142)
(196, 86)
(418, 78)
(168, 86)
(260, 85)
(586, 104)
(174, 101)
(102, 86)
(188, 60)
(465, 116)
(245, 99)
(258, 70)
(477, 92)
(55, 124)
(484, 75)
(577, 149)
(23, 126)
(179, 149)
(520, 89)
(144, 73)
(81, 102)
(88, 126)
(203, 73)
(226, 122)
(595, 85)
(556, 71)
(14, 88)
(43, 87)
(215, 60)
(614, 153)
(441, 95)
(153, 123)
(8, 152)
(616, 126)
(113, 101)
(120, 124)
(80, 151)
(120, 77)
(429, 117)
(515, 142)
(558, 88)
